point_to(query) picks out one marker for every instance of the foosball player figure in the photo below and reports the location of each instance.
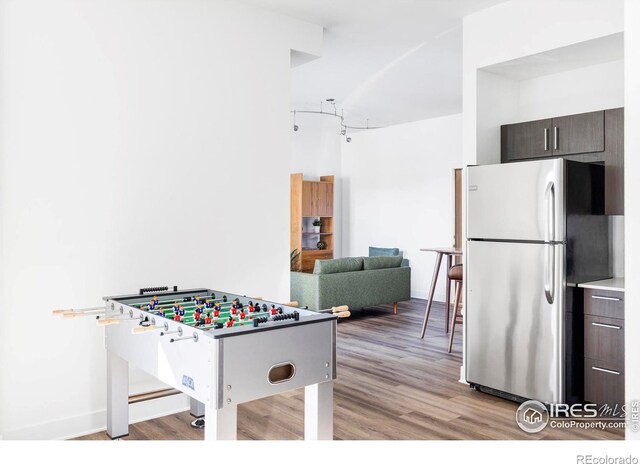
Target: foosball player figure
(207, 319)
(176, 308)
(176, 317)
(234, 309)
(196, 316)
(230, 321)
(242, 315)
(181, 311)
(216, 311)
(154, 301)
(251, 308)
(199, 309)
(208, 304)
(274, 311)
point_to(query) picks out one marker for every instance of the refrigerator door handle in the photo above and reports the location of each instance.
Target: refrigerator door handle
(550, 196)
(550, 273)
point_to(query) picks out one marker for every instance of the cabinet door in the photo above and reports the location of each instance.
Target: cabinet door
(325, 199)
(614, 161)
(526, 140)
(578, 133)
(317, 198)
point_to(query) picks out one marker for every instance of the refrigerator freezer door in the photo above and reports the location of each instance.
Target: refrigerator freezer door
(516, 201)
(514, 318)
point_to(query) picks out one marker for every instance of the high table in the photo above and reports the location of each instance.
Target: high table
(450, 252)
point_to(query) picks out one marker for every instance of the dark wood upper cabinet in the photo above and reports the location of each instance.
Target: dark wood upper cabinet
(614, 161)
(526, 140)
(578, 133)
(596, 137)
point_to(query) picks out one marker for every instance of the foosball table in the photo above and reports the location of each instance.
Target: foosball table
(221, 350)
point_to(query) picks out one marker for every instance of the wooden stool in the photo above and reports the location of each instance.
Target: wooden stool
(455, 274)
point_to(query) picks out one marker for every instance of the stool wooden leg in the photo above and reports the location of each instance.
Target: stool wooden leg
(434, 280)
(447, 298)
(395, 308)
(456, 302)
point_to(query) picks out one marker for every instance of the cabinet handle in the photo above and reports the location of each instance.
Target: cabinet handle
(556, 137)
(607, 298)
(546, 139)
(604, 370)
(608, 326)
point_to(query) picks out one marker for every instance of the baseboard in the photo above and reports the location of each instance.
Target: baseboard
(77, 426)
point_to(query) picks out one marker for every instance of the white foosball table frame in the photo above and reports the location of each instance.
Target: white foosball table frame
(220, 369)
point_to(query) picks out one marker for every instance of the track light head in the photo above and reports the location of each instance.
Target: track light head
(348, 139)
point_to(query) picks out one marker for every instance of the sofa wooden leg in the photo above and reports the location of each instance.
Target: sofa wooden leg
(395, 308)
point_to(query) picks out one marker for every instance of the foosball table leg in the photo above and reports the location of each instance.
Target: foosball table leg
(318, 411)
(196, 408)
(117, 396)
(221, 424)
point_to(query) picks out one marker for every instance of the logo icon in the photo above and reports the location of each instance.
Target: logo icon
(532, 416)
(188, 382)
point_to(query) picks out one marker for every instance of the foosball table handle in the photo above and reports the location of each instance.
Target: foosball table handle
(142, 329)
(340, 309)
(108, 321)
(57, 312)
(292, 303)
(72, 314)
(343, 314)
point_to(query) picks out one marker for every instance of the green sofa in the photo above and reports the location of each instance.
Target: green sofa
(355, 282)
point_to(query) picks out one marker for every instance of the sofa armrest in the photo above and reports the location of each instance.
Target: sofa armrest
(305, 290)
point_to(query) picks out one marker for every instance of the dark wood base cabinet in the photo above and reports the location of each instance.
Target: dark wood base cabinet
(604, 348)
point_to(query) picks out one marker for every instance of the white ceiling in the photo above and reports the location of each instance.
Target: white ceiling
(391, 61)
(588, 53)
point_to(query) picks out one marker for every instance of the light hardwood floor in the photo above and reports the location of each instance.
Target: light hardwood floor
(391, 385)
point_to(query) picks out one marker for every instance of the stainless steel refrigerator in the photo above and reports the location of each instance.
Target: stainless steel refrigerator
(534, 230)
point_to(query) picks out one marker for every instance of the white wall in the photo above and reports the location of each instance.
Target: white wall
(589, 88)
(398, 192)
(316, 151)
(503, 100)
(522, 28)
(631, 204)
(142, 143)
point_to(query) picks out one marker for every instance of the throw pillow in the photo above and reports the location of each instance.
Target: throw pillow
(333, 266)
(382, 262)
(373, 251)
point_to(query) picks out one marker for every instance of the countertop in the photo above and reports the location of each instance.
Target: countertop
(617, 284)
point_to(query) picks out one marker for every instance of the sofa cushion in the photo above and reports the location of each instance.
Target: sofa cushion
(333, 266)
(373, 251)
(381, 262)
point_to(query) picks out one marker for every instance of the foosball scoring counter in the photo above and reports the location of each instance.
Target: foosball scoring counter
(221, 350)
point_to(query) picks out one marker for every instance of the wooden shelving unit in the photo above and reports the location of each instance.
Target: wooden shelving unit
(311, 199)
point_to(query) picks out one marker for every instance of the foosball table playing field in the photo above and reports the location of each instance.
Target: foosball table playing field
(221, 350)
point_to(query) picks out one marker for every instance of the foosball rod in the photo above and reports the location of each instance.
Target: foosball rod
(214, 300)
(57, 312)
(115, 320)
(340, 311)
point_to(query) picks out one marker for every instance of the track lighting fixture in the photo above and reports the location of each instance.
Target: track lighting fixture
(343, 125)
